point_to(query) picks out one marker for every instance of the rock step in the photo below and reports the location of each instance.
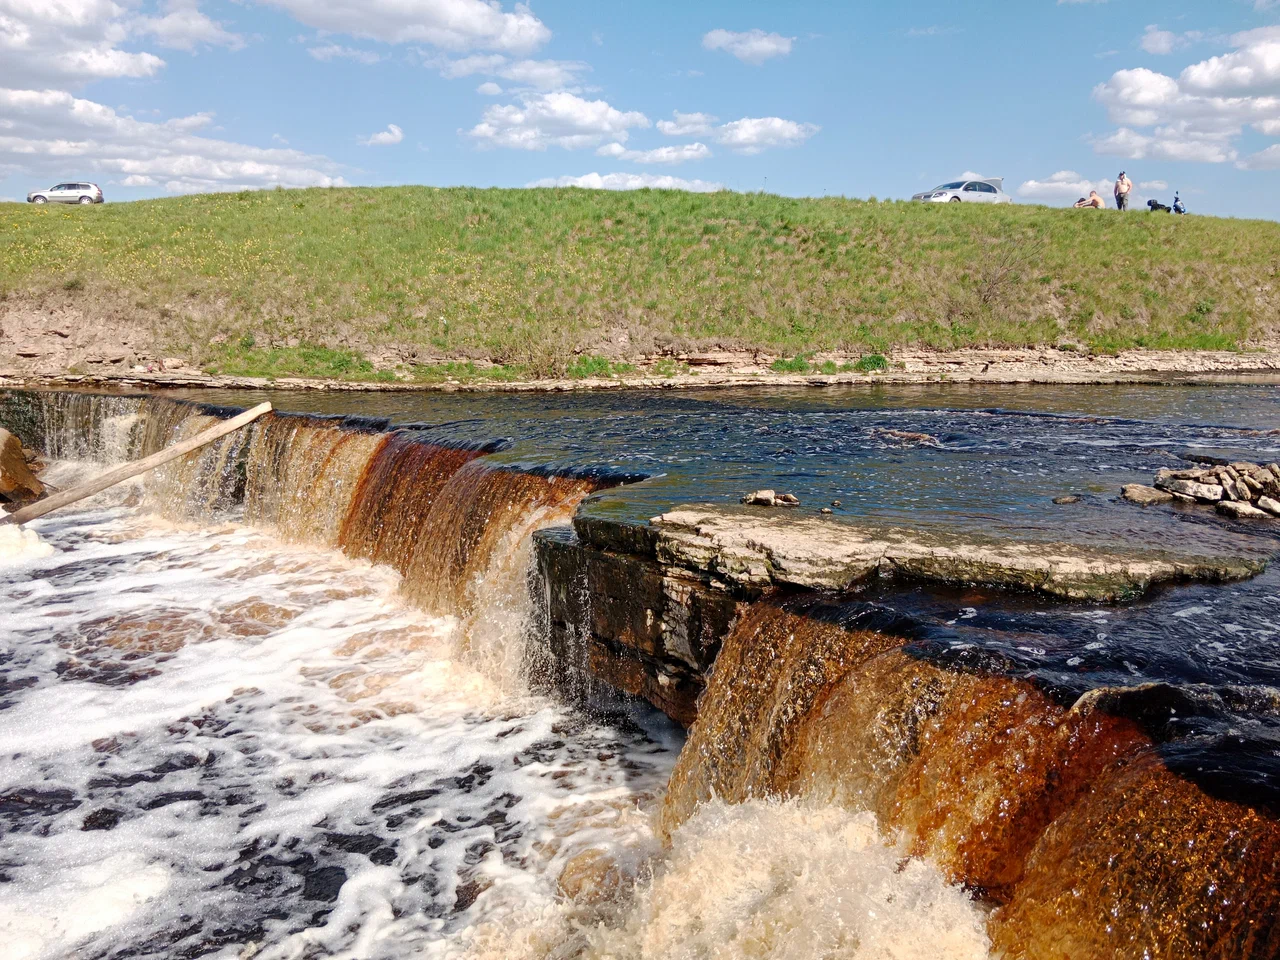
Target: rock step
(748, 552)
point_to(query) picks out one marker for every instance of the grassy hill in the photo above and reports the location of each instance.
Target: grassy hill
(318, 281)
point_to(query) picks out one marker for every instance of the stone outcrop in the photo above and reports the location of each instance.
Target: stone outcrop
(17, 482)
(644, 608)
(752, 551)
(616, 615)
(1145, 496)
(1238, 489)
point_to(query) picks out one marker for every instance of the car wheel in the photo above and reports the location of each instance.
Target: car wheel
(955, 199)
(42, 200)
(86, 199)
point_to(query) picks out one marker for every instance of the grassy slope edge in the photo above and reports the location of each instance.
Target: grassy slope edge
(359, 282)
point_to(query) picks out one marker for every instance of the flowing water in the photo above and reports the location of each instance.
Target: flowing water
(280, 699)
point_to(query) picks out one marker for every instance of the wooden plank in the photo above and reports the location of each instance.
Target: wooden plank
(132, 469)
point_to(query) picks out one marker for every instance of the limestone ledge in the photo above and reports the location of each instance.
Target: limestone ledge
(750, 550)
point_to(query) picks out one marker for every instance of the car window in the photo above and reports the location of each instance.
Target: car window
(986, 188)
(972, 187)
(83, 186)
(60, 186)
(951, 186)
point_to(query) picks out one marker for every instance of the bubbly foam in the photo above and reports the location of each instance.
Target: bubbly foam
(214, 739)
(19, 545)
(760, 879)
(791, 881)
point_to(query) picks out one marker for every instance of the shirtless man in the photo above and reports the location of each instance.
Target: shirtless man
(1093, 201)
(1123, 186)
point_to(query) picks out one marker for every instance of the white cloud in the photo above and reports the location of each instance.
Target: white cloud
(753, 46)
(1268, 159)
(540, 74)
(184, 27)
(1158, 42)
(558, 119)
(933, 31)
(664, 155)
(1065, 186)
(1201, 115)
(489, 89)
(84, 46)
(388, 137)
(754, 134)
(1167, 143)
(137, 180)
(687, 124)
(335, 51)
(448, 24)
(630, 181)
(47, 131)
(1252, 69)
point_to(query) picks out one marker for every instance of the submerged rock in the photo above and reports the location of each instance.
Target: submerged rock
(1062, 501)
(770, 498)
(1146, 496)
(906, 437)
(754, 552)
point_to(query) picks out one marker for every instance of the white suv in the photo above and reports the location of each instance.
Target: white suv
(68, 193)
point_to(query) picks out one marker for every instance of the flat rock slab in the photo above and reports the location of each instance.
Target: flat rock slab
(1146, 496)
(751, 550)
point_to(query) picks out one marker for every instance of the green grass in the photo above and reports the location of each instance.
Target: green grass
(245, 359)
(871, 363)
(583, 282)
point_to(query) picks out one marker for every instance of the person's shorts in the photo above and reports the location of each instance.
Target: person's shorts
(1122, 201)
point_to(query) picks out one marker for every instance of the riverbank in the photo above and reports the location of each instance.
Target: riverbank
(737, 369)
(421, 285)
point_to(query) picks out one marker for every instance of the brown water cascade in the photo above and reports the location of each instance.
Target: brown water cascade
(435, 514)
(1063, 817)
(302, 474)
(392, 502)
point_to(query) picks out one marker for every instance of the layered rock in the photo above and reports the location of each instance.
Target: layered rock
(753, 551)
(1237, 489)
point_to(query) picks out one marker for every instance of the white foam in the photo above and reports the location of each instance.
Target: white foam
(249, 710)
(761, 880)
(790, 881)
(20, 545)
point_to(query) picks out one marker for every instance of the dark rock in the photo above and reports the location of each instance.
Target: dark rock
(323, 884)
(104, 819)
(1072, 498)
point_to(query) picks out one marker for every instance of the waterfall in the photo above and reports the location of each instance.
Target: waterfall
(1063, 817)
(454, 526)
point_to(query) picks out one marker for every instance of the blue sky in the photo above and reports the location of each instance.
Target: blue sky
(804, 98)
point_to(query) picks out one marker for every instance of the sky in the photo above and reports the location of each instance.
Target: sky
(805, 98)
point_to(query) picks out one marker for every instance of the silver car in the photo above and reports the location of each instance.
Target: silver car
(990, 190)
(68, 193)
